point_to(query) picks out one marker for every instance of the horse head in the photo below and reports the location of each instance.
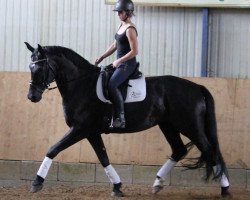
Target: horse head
(42, 73)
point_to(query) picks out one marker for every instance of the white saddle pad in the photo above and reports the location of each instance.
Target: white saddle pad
(135, 93)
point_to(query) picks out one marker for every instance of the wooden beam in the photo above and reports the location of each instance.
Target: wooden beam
(191, 3)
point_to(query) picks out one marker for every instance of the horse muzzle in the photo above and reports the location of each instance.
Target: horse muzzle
(34, 95)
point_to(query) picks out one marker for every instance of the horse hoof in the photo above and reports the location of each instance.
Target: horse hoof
(156, 189)
(225, 193)
(117, 194)
(36, 186)
(116, 190)
(158, 185)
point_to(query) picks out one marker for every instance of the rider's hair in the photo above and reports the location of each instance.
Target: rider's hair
(130, 13)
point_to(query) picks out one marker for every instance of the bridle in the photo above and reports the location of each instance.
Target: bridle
(46, 82)
(37, 61)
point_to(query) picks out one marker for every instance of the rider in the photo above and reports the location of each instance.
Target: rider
(126, 45)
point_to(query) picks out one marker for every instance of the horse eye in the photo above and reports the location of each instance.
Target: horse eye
(32, 57)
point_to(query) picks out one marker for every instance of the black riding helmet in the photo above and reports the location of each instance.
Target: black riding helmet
(124, 5)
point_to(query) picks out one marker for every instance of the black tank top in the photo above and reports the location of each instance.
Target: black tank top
(122, 44)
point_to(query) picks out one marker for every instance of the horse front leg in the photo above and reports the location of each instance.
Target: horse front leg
(97, 143)
(71, 137)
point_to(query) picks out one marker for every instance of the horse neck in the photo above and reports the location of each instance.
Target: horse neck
(70, 77)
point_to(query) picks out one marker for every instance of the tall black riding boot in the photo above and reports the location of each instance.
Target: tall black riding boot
(118, 102)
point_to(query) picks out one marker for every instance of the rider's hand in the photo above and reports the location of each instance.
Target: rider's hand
(116, 63)
(98, 60)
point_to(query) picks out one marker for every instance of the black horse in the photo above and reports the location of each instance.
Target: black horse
(177, 105)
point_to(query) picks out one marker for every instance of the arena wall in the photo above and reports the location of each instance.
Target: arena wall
(29, 129)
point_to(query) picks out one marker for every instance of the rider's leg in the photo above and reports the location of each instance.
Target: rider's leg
(120, 75)
(118, 102)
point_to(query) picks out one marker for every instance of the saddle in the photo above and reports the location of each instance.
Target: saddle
(133, 89)
(108, 72)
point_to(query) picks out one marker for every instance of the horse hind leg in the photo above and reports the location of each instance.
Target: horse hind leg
(220, 172)
(223, 179)
(211, 157)
(179, 150)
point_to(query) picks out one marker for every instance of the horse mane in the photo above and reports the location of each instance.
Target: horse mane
(74, 57)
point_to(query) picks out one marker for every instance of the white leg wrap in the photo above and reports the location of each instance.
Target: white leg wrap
(44, 168)
(166, 168)
(162, 173)
(112, 175)
(223, 180)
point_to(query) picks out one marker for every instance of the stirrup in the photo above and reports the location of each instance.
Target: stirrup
(119, 121)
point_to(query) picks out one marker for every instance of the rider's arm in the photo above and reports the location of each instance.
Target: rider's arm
(110, 50)
(107, 53)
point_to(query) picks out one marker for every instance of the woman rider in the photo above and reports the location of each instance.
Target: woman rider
(126, 45)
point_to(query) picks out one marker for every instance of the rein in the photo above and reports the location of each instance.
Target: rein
(67, 82)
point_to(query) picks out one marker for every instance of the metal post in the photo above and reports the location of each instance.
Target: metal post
(204, 53)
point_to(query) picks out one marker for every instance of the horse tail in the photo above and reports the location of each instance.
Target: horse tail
(215, 157)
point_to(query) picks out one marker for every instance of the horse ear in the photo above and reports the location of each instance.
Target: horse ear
(40, 49)
(29, 46)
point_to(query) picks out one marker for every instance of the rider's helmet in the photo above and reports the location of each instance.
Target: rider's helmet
(124, 5)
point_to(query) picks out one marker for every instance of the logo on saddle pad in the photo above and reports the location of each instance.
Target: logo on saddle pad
(133, 90)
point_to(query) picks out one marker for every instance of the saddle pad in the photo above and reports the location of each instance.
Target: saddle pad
(135, 93)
